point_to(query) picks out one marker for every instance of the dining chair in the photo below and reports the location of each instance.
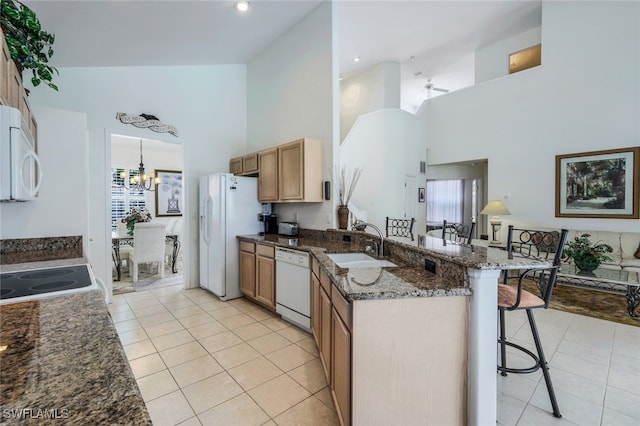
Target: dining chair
(400, 228)
(458, 232)
(172, 245)
(148, 247)
(540, 245)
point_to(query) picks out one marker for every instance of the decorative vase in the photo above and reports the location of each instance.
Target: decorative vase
(343, 217)
(588, 264)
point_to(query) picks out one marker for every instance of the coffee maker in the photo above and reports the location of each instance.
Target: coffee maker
(269, 220)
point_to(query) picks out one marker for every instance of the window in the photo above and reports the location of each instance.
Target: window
(123, 200)
(445, 200)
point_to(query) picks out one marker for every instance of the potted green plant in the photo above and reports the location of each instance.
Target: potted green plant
(587, 256)
(29, 45)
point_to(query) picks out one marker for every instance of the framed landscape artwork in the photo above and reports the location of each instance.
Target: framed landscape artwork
(599, 184)
(169, 200)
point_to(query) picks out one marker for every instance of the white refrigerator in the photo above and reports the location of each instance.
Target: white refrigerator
(229, 207)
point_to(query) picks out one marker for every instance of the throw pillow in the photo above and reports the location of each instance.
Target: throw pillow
(637, 253)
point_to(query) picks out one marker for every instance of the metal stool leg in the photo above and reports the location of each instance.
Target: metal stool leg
(503, 346)
(543, 364)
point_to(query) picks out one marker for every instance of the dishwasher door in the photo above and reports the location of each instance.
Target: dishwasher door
(293, 287)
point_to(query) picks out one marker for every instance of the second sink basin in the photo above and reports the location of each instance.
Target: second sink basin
(358, 260)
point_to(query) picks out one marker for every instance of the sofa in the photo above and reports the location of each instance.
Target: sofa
(625, 246)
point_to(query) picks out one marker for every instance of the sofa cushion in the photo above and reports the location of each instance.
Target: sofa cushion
(629, 244)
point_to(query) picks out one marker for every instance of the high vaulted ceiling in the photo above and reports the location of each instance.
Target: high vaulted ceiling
(440, 35)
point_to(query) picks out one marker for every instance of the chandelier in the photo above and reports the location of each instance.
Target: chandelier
(141, 182)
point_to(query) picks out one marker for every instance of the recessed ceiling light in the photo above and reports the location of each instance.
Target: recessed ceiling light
(356, 59)
(242, 5)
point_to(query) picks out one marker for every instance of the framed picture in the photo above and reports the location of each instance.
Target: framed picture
(421, 195)
(599, 184)
(169, 200)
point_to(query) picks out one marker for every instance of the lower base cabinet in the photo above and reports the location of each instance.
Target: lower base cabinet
(392, 361)
(341, 368)
(258, 273)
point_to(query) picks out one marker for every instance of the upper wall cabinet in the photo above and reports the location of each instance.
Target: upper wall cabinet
(291, 172)
(268, 177)
(300, 171)
(247, 165)
(12, 92)
(5, 60)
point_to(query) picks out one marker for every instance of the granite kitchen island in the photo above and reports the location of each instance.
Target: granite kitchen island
(421, 345)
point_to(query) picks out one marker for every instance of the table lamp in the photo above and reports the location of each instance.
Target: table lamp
(495, 209)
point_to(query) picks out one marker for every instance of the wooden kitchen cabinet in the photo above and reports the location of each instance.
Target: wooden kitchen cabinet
(341, 368)
(5, 60)
(291, 172)
(247, 269)
(250, 164)
(316, 316)
(300, 171)
(265, 275)
(15, 86)
(268, 178)
(247, 165)
(340, 383)
(235, 166)
(325, 333)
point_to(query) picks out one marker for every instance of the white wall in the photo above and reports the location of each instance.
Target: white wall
(291, 86)
(493, 61)
(377, 87)
(585, 97)
(61, 206)
(207, 105)
(387, 145)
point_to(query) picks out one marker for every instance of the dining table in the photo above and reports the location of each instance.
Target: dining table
(118, 240)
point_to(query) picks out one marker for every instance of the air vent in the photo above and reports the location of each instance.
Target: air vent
(423, 167)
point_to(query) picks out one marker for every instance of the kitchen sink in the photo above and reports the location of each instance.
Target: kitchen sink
(358, 260)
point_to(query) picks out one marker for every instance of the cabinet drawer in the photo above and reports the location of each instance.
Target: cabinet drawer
(342, 306)
(264, 250)
(248, 247)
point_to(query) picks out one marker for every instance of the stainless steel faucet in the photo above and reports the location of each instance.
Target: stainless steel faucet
(360, 225)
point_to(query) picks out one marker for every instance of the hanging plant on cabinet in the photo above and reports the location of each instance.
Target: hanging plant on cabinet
(29, 45)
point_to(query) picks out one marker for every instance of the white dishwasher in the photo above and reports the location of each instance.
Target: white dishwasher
(293, 287)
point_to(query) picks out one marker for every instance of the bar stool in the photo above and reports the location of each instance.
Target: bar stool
(541, 245)
(458, 232)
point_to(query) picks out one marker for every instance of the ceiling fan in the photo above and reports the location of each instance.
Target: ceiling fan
(429, 87)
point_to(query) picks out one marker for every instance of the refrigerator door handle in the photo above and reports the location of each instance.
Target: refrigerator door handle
(205, 220)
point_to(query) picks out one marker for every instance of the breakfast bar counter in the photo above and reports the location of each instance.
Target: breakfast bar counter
(62, 363)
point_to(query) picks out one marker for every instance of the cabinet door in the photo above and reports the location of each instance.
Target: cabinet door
(248, 273)
(341, 363)
(325, 334)
(5, 59)
(15, 86)
(235, 165)
(316, 309)
(268, 179)
(266, 281)
(250, 163)
(291, 170)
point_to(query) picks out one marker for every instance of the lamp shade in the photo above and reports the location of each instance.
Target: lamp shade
(495, 208)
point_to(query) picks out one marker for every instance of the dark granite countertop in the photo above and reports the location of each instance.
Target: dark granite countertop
(61, 357)
(408, 279)
(405, 280)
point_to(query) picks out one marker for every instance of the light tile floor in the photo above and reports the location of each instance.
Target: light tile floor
(201, 361)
